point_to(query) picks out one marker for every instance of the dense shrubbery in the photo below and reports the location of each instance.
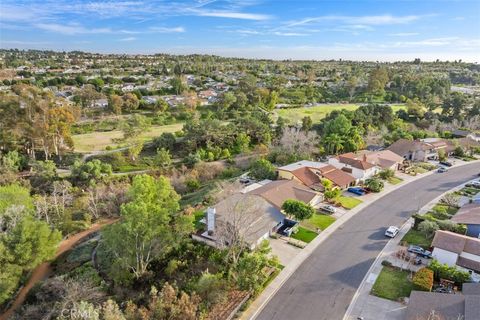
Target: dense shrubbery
(423, 279)
(444, 271)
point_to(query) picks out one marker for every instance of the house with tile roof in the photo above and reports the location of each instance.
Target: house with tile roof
(310, 174)
(443, 306)
(421, 150)
(356, 165)
(469, 215)
(457, 250)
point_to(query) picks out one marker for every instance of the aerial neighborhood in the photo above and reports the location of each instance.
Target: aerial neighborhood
(152, 186)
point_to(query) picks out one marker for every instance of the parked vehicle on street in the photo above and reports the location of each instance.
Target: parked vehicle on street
(391, 232)
(419, 251)
(442, 169)
(446, 163)
(329, 208)
(474, 184)
(356, 190)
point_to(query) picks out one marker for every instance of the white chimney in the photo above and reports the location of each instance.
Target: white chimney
(211, 220)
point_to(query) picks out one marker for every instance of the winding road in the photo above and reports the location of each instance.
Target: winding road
(323, 286)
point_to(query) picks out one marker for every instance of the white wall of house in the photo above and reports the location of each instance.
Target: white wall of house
(358, 174)
(444, 256)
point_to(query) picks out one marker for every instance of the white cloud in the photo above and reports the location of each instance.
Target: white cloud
(289, 34)
(128, 39)
(71, 29)
(404, 34)
(231, 15)
(377, 20)
(167, 29)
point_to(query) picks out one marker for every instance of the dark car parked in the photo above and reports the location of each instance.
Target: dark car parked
(446, 163)
(420, 251)
(356, 190)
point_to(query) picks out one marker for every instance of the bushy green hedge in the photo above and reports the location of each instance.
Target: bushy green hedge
(444, 271)
(423, 279)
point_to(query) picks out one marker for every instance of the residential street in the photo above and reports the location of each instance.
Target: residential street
(323, 286)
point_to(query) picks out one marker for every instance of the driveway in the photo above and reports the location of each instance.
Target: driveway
(323, 286)
(284, 251)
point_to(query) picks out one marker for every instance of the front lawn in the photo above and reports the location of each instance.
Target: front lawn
(415, 237)
(320, 221)
(304, 235)
(394, 180)
(349, 202)
(392, 284)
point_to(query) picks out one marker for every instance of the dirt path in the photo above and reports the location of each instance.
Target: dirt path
(44, 270)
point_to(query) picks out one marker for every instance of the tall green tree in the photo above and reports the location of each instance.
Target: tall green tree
(151, 226)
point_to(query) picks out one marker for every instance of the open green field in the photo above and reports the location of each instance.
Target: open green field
(98, 141)
(294, 115)
(392, 284)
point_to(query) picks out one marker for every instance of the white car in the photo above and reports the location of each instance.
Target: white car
(392, 231)
(329, 208)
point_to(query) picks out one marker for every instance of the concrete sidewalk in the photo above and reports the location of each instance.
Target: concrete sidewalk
(370, 307)
(258, 304)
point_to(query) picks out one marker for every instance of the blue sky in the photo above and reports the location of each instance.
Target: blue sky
(383, 30)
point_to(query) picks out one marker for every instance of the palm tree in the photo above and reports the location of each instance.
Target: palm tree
(333, 143)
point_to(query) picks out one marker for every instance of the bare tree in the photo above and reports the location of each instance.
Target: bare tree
(234, 227)
(105, 199)
(11, 216)
(295, 141)
(451, 199)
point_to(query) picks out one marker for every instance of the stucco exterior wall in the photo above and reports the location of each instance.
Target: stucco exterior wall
(444, 256)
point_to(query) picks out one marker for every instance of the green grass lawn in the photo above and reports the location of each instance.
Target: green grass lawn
(321, 221)
(98, 141)
(294, 115)
(392, 284)
(395, 180)
(304, 235)
(349, 202)
(417, 238)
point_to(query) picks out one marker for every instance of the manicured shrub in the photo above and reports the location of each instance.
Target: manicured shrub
(423, 279)
(444, 271)
(428, 228)
(374, 185)
(386, 174)
(298, 209)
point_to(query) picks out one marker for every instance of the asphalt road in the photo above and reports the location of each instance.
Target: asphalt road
(323, 286)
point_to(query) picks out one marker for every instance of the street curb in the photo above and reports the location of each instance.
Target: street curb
(252, 312)
(381, 255)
